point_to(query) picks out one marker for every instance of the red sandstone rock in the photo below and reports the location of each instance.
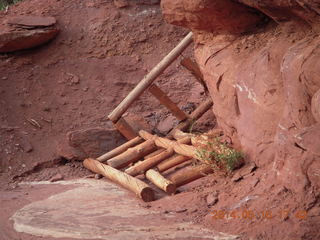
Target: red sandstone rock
(315, 106)
(32, 21)
(86, 143)
(121, 3)
(166, 125)
(302, 12)
(56, 178)
(262, 84)
(26, 32)
(214, 16)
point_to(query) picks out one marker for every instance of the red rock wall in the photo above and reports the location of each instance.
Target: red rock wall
(260, 60)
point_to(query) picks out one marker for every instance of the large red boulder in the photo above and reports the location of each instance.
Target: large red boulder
(264, 83)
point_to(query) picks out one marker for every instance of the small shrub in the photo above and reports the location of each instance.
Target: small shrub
(219, 155)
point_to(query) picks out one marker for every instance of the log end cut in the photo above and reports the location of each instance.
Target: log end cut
(147, 194)
(171, 188)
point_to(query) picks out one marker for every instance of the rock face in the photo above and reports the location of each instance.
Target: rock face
(265, 82)
(92, 142)
(303, 11)
(212, 16)
(25, 32)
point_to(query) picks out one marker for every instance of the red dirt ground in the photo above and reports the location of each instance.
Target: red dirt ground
(107, 50)
(110, 49)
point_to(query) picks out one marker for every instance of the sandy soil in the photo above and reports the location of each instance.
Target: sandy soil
(74, 81)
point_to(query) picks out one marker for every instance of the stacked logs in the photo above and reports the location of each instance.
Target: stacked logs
(156, 161)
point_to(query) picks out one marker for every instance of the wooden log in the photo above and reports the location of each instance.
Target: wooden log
(167, 102)
(154, 153)
(132, 154)
(160, 181)
(149, 78)
(195, 115)
(125, 129)
(178, 147)
(135, 185)
(178, 134)
(190, 174)
(175, 159)
(184, 140)
(124, 147)
(195, 70)
(171, 162)
(143, 166)
(158, 150)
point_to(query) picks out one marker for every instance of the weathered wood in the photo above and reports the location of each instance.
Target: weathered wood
(190, 174)
(193, 67)
(195, 70)
(149, 78)
(125, 129)
(167, 102)
(195, 115)
(178, 147)
(171, 162)
(124, 147)
(143, 166)
(154, 153)
(160, 181)
(178, 134)
(135, 185)
(184, 140)
(132, 154)
(175, 159)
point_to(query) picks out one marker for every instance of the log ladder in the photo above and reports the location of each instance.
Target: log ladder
(150, 155)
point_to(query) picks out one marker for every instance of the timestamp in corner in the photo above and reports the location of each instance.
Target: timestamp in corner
(251, 215)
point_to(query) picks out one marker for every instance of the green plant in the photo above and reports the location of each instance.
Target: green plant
(219, 155)
(192, 124)
(5, 3)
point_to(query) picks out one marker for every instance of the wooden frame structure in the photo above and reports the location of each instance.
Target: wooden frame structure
(150, 155)
(152, 167)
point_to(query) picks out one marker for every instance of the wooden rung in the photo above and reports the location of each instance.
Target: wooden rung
(178, 134)
(132, 154)
(195, 115)
(154, 153)
(189, 174)
(194, 69)
(122, 148)
(184, 140)
(135, 185)
(175, 159)
(178, 147)
(125, 129)
(149, 78)
(160, 181)
(158, 151)
(171, 162)
(166, 101)
(143, 166)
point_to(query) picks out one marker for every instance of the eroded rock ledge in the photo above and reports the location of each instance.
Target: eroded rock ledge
(263, 78)
(23, 32)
